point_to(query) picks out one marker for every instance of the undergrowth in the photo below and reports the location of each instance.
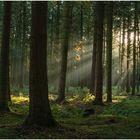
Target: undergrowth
(117, 120)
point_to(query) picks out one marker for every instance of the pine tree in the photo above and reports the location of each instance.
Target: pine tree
(99, 40)
(109, 51)
(39, 107)
(65, 46)
(4, 69)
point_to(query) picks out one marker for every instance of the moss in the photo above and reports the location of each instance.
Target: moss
(116, 120)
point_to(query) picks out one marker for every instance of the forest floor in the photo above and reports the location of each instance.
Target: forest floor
(121, 119)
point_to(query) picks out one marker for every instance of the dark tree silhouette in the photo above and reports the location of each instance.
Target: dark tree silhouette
(134, 51)
(99, 40)
(128, 55)
(92, 83)
(4, 69)
(65, 46)
(109, 51)
(39, 107)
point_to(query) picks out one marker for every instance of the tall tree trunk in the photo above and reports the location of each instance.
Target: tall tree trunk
(58, 23)
(65, 46)
(21, 76)
(18, 44)
(39, 107)
(137, 51)
(122, 55)
(81, 37)
(93, 68)
(4, 69)
(109, 51)
(120, 42)
(9, 85)
(134, 53)
(104, 55)
(52, 38)
(57, 36)
(98, 74)
(128, 56)
(81, 21)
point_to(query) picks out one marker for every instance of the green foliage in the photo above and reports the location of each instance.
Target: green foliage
(16, 91)
(128, 107)
(78, 90)
(88, 98)
(110, 121)
(66, 112)
(19, 104)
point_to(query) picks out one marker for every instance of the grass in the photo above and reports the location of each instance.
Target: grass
(117, 120)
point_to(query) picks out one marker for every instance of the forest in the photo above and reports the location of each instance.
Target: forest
(69, 69)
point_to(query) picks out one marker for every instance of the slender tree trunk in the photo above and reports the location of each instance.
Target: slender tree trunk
(122, 55)
(138, 54)
(99, 78)
(9, 85)
(137, 51)
(4, 69)
(81, 36)
(21, 76)
(93, 68)
(120, 36)
(52, 38)
(134, 53)
(18, 44)
(58, 23)
(39, 107)
(128, 57)
(65, 46)
(109, 51)
(57, 36)
(104, 55)
(81, 21)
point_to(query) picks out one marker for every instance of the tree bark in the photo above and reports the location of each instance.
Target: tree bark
(81, 21)
(65, 46)
(39, 107)
(128, 56)
(4, 69)
(23, 47)
(109, 51)
(122, 55)
(99, 40)
(92, 83)
(134, 52)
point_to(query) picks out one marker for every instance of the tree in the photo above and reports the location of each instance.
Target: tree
(23, 46)
(99, 40)
(109, 51)
(123, 52)
(81, 21)
(134, 52)
(65, 46)
(128, 55)
(4, 69)
(39, 107)
(92, 83)
(20, 40)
